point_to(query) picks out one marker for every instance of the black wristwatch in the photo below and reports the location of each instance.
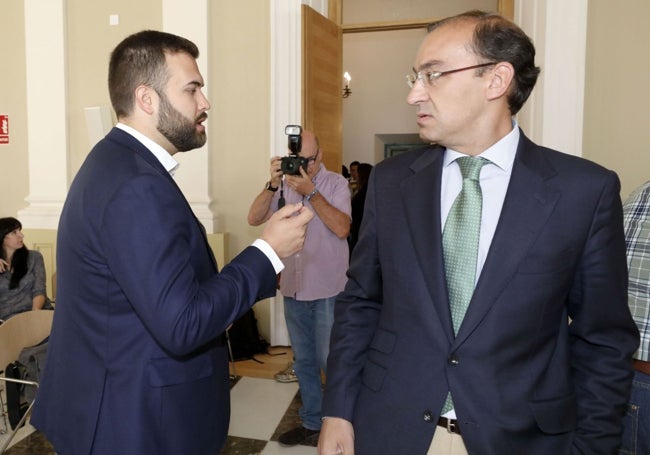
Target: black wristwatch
(270, 188)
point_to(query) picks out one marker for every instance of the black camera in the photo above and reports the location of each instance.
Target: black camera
(290, 165)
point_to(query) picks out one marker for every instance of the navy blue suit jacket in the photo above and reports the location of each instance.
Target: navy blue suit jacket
(524, 380)
(137, 362)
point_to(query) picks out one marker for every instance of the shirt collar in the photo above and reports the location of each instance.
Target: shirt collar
(167, 161)
(502, 153)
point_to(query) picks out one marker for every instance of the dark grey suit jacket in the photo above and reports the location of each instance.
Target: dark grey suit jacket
(524, 380)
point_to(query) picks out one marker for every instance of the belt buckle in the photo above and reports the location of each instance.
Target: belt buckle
(451, 426)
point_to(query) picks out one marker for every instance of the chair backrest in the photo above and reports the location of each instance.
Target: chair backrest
(53, 286)
(21, 331)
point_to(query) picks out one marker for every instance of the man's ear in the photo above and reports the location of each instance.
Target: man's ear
(146, 99)
(502, 76)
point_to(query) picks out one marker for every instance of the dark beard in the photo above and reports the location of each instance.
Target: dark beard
(177, 128)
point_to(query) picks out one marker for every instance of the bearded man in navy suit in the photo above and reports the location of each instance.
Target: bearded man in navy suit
(541, 362)
(137, 361)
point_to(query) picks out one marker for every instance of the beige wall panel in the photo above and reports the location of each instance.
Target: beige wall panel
(616, 132)
(239, 120)
(239, 123)
(14, 184)
(90, 40)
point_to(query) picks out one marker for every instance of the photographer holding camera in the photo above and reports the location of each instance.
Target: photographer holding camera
(313, 277)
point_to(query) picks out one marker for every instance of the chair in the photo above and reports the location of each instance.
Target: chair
(18, 332)
(53, 288)
(231, 359)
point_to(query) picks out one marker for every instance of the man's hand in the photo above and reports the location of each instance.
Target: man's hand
(285, 231)
(276, 172)
(336, 437)
(302, 183)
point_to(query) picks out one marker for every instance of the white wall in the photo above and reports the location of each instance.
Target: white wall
(378, 63)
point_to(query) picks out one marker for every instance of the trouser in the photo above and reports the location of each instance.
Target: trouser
(309, 324)
(446, 443)
(636, 423)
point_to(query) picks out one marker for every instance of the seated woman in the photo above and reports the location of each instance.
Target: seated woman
(22, 273)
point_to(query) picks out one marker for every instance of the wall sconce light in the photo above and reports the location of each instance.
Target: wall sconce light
(346, 90)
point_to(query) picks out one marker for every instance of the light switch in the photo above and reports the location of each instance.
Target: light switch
(114, 19)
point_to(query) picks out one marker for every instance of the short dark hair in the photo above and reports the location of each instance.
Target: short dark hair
(140, 60)
(497, 39)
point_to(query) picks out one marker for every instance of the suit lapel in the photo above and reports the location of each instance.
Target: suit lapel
(423, 219)
(528, 204)
(143, 152)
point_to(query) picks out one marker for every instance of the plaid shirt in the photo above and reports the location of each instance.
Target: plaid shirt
(636, 212)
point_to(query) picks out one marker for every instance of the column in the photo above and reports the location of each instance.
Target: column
(189, 18)
(45, 52)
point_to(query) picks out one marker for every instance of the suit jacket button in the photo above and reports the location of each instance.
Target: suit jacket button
(428, 416)
(453, 360)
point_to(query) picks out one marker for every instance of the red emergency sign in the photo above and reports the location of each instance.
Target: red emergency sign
(4, 129)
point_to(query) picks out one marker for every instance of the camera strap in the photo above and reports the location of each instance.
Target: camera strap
(281, 201)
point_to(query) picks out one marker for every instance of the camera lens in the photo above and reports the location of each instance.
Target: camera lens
(290, 165)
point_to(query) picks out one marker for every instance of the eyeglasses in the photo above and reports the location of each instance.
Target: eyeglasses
(428, 78)
(313, 158)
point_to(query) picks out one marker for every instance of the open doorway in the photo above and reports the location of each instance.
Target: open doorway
(380, 41)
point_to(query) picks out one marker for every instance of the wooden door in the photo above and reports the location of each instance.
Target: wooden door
(322, 75)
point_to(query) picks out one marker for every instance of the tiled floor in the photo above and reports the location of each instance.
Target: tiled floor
(262, 409)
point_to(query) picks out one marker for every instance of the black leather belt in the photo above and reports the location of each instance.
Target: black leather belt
(450, 424)
(642, 366)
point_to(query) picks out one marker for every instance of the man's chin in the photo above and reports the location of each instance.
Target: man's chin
(201, 140)
(429, 135)
(198, 143)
